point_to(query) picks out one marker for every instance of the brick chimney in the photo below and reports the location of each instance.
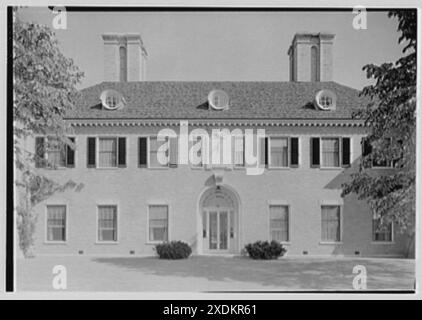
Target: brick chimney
(124, 57)
(311, 57)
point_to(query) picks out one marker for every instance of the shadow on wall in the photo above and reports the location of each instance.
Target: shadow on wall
(357, 221)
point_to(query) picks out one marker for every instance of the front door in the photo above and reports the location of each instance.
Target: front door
(216, 236)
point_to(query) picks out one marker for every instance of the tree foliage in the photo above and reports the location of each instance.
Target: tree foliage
(44, 90)
(391, 120)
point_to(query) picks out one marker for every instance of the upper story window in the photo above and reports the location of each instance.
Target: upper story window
(379, 163)
(53, 153)
(111, 152)
(278, 152)
(330, 152)
(159, 152)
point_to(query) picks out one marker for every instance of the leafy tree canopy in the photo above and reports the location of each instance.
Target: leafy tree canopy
(391, 121)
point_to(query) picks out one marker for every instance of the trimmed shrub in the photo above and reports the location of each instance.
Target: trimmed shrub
(173, 250)
(264, 250)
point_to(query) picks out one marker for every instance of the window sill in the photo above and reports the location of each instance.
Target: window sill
(158, 168)
(106, 242)
(153, 243)
(278, 168)
(56, 242)
(331, 168)
(382, 168)
(382, 242)
(330, 242)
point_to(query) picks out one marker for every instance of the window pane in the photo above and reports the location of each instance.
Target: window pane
(279, 223)
(381, 233)
(330, 152)
(107, 223)
(108, 152)
(238, 151)
(330, 223)
(154, 153)
(56, 153)
(56, 223)
(279, 154)
(158, 223)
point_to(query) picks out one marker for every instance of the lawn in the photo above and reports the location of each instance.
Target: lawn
(212, 274)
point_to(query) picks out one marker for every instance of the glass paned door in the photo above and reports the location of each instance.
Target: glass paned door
(218, 223)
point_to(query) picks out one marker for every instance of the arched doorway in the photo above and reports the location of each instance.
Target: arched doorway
(219, 220)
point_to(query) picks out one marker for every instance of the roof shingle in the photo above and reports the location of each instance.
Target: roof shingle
(188, 100)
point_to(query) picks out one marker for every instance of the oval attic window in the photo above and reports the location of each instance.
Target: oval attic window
(325, 100)
(112, 99)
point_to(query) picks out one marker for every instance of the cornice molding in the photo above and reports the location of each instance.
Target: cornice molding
(215, 123)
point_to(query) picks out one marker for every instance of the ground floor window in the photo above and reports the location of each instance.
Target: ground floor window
(56, 223)
(158, 223)
(279, 223)
(330, 223)
(381, 233)
(107, 223)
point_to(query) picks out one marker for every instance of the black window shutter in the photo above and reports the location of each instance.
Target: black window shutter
(143, 151)
(91, 152)
(294, 152)
(122, 152)
(39, 152)
(315, 162)
(70, 155)
(345, 147)
(263, 155)
(366, 147)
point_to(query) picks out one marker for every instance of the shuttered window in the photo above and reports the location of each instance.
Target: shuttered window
(330, 223)
(158, 223)
(53, 153)
(158, 154)
(107, 152)
(279, 223)
(56, 223)
(330, 152)
(278, 152)
(107, 223)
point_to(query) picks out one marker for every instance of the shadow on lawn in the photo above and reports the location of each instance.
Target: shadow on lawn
(286, 274)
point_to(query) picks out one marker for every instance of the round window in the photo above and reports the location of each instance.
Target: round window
(112, 100)
(325, 100)
(218, 100)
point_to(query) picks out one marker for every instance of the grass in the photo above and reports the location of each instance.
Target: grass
(213, 274)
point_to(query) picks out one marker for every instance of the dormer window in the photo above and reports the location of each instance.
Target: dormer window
(325, 100)
(218, 100)
(112, 100)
